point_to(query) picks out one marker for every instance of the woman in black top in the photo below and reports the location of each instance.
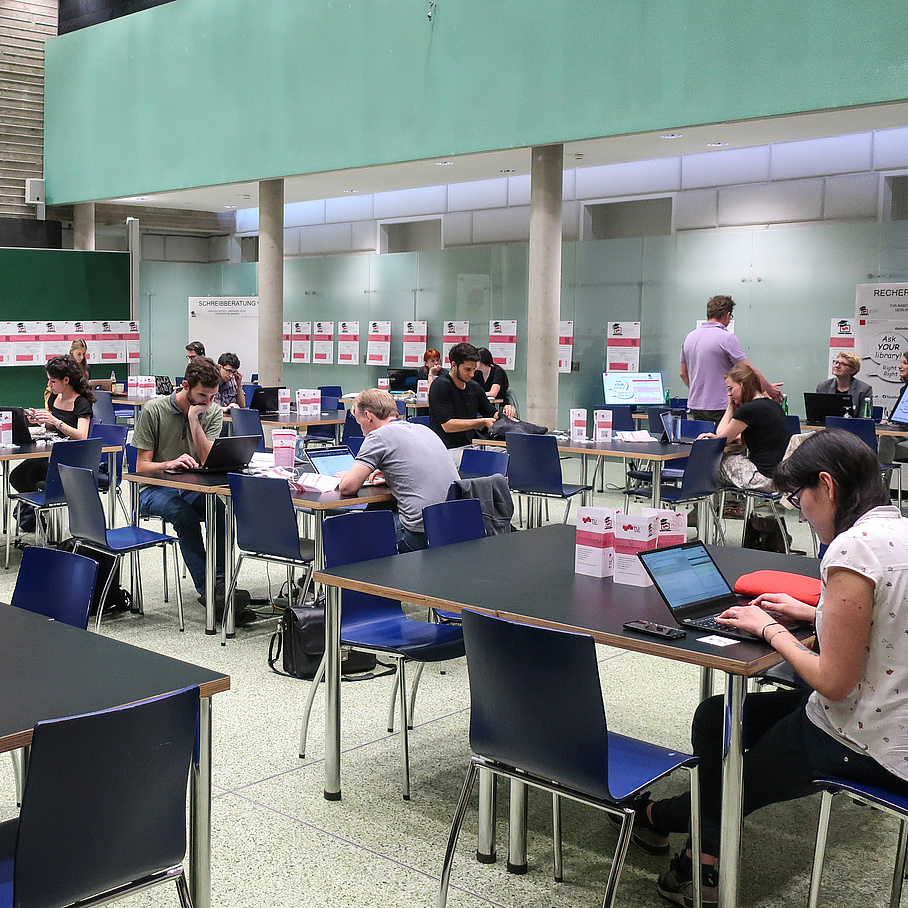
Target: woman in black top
(68, 414)
(494, 378)
(760, 423)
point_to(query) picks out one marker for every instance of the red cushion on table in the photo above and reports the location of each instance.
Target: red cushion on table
(805, 589)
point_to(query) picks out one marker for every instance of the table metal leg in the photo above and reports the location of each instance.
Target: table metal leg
(332, 694)
(230, 567)
(488, 809)
(517, 828)
(706, 683)
(200, 813)
(112, 489)
(657, 483)
(732, 791)
(211, 512)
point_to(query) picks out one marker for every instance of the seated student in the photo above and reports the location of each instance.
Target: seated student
(844, 369)
(78, 350)
(494, 378)
(178, 431)
(194, 349)
(851, 725)
(230, 390)
(409, 457)
(760, 423)
(431, 366)
(458, 404)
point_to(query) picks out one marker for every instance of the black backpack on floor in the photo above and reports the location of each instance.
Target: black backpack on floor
(118, 599)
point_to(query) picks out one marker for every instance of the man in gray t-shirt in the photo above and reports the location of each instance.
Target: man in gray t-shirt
(410, 458)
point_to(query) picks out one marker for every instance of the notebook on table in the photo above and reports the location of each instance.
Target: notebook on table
(694, 589)
(228, 454)
(819, 406)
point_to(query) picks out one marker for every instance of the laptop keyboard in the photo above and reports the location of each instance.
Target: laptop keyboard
(710, 624)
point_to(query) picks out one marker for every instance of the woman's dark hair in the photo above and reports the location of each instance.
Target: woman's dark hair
(853, 467)
(746, 376)
(61, 367)
(485, 356)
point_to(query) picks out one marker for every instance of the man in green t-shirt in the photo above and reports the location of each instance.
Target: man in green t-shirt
(176, 432)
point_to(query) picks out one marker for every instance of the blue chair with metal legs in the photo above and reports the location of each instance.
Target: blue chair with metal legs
(266, 530)
(324, 435)
(422, 420)
(104, 808)
(89, 528)
(893, 802)
(102, 409)
(111, 435)
(83, 453)
(248, 422)
(865, 429)
(537, 718)
(478, 462)
(534, 470)
(378, 625)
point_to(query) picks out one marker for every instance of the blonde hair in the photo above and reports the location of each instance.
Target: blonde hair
(379, 403)
(851, 359)
(747, 378)
(78, 344)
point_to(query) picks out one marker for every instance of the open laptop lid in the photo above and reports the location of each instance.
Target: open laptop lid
(331, 461)
(688, 580)
(99, 384)
(819, 406)
(264, 400)
(899, 414)
(21, 435)
(230, 452)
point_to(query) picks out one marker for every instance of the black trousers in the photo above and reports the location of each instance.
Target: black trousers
(784, 753)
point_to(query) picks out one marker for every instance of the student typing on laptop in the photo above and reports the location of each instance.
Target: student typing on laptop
(849, 721)
(174, 433)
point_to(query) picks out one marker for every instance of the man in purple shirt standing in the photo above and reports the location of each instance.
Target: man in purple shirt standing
(707, 354)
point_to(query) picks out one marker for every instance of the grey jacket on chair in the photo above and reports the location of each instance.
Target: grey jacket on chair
(494, 496)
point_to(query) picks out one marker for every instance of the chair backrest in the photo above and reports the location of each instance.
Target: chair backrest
(102, 409)
(86, 513)
(330, 391)
(794, 423)
(331, 403)
(248, 422)
(71, 576)
(352, 428)
(622, 417)
(265, 516)
(354, 443)
(248, 391)
(453, 521)
(85, 453)
(535, 465)
(401, 408)
(422, 421)
(702, 471)
(865, 429)
(877, 414)
(131, 453)
(654, 419)
(691, 428)
(354, 537)
(110, 435)
(477, 462)
(678, 403)
(536, 701)
(105, 799)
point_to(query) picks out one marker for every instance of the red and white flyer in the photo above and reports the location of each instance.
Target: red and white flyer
(323, 343)
(348, 343)
(288, 337)
(632, 535)
(578, 425)
(622, 347)
(415, 343)
(594, 554)
(503, 342)
(453, 333)
(378, 347)
(301, 342)
(565, 345)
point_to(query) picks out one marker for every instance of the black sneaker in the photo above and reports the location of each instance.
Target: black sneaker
(677, 885)
(645, 836)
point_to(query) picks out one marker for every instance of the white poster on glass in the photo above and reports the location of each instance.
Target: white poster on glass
(415, 343)
(54, 339)
(301, 342)
(378, 351)
(841, 337)
(348, 343)
(503, 342)
(285, 351)
(108, 347)
(28, 350)
(227, 324)
(453, 332)
(323, 343)
(131, 336)
(623, 347)
(565, 345)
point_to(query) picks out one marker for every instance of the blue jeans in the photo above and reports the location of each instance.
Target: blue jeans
(185, 512)
(408, 541)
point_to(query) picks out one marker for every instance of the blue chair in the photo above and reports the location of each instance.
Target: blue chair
(537, 717)
(248, 422)
(85, 453)
(248, 391)
(422, 420)
(865, 429)
(378, 625)
(458, 520)
(331, 390)
(102, 410)
(72, 576)
(266, 530)
(698, 482)
(324, 435)
(535, 471)
(111, 435)
(351, 430)
(478, 462)
(678, 403)
(87, 524)
(893, 802)
(104, 808)
(401, 408)
(622, 417)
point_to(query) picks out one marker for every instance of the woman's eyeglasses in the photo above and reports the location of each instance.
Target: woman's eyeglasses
(794, 497)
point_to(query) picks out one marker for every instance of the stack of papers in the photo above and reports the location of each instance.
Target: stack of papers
(640, 435)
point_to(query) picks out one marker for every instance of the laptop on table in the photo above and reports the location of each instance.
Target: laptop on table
(228, 454)
(899, 414)
(694, 589)
(328, 461)
(819, 406)
(264, 400)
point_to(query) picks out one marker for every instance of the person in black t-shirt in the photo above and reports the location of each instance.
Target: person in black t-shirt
(760, 423)
(492, 377)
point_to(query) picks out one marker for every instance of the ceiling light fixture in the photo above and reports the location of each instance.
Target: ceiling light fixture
(444, 163)
(230, 206)
(716, 144)
(671, 135)
(507, 171)
(351, 191)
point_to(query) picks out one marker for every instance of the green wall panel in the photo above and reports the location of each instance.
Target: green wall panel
(202, 92)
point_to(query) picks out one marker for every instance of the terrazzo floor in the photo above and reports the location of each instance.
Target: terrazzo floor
(277, 842)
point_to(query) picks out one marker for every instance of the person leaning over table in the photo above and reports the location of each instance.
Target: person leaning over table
(458, 405)
(230, 389)
(851, 724)
(759, 423)
(843, 382)
(68, 413)
(174, 433)
(409, 457)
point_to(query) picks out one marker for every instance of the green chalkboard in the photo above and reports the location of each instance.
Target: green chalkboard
(57, 285)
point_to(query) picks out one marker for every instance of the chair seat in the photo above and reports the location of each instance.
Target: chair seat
(893, 798)
(568, 490)
(635, 764)
(307, 551)
(128, 539)
(36, 499)
(413, 639)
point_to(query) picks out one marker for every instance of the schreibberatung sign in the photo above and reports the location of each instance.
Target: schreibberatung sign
(881, 337)
(227, 324)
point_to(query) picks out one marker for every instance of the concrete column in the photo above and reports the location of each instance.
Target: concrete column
(84, 226)
(271, 282)
(544, 303)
